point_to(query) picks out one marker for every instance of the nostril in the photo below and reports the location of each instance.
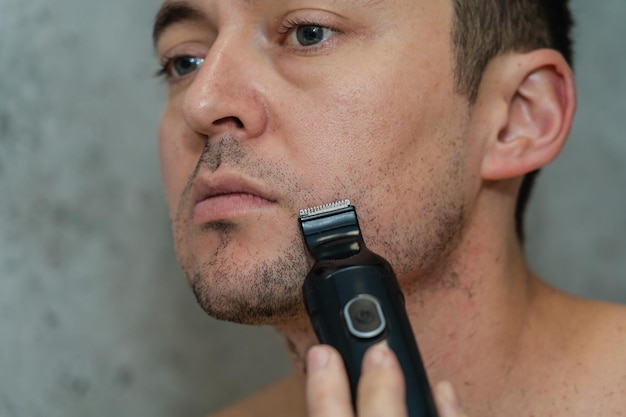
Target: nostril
(224, 121)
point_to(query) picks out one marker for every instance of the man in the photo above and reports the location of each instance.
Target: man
(429, 117)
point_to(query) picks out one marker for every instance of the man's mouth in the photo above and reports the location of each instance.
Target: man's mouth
(226, 196)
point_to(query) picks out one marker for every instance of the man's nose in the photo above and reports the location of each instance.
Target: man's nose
(225, 96)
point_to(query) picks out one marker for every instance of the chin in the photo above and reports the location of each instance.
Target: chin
(251, 281)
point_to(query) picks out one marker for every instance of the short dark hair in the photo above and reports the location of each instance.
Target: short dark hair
(483, 29)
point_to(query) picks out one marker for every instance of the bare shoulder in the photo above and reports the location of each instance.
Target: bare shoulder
(285, 398)
(604, 335)
(607, 325)
(578, 360)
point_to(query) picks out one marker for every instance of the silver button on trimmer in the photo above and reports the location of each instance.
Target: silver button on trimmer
(364, 316)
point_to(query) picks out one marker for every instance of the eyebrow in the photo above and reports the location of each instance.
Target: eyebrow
(180, 11)
(172, 13)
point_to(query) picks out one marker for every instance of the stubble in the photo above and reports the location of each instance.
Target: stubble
(268, 290)
(257, 290)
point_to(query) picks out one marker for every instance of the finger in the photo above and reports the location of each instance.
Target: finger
(447, 402)
(381, 390)
(328, 389)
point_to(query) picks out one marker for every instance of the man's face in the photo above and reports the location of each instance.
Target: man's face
(288, 104)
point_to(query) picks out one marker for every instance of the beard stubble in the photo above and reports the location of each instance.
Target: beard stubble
(269, 290)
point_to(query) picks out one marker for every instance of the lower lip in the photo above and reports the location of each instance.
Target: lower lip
(227, 206)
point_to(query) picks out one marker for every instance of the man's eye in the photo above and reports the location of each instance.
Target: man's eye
(309, 35)
(181, 66)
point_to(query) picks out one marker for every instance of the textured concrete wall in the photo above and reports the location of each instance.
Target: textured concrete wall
(577, 235)
(95, 318)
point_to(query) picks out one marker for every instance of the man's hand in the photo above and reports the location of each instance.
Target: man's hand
(380, 392)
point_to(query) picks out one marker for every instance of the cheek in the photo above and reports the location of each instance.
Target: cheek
(176, 164)
(394, 152)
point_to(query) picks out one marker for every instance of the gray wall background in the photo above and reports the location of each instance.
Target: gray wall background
(95, 317)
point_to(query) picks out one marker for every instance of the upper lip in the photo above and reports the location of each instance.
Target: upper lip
(228, 183)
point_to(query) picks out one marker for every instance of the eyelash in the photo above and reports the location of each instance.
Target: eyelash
(161, 72)
(291, 24)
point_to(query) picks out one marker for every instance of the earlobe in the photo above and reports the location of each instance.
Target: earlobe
(539, 91)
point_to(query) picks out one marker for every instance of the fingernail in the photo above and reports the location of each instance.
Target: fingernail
(377, 355)
(317, 358)
(449, 397)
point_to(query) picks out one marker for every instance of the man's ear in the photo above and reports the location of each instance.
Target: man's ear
(537, 99)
